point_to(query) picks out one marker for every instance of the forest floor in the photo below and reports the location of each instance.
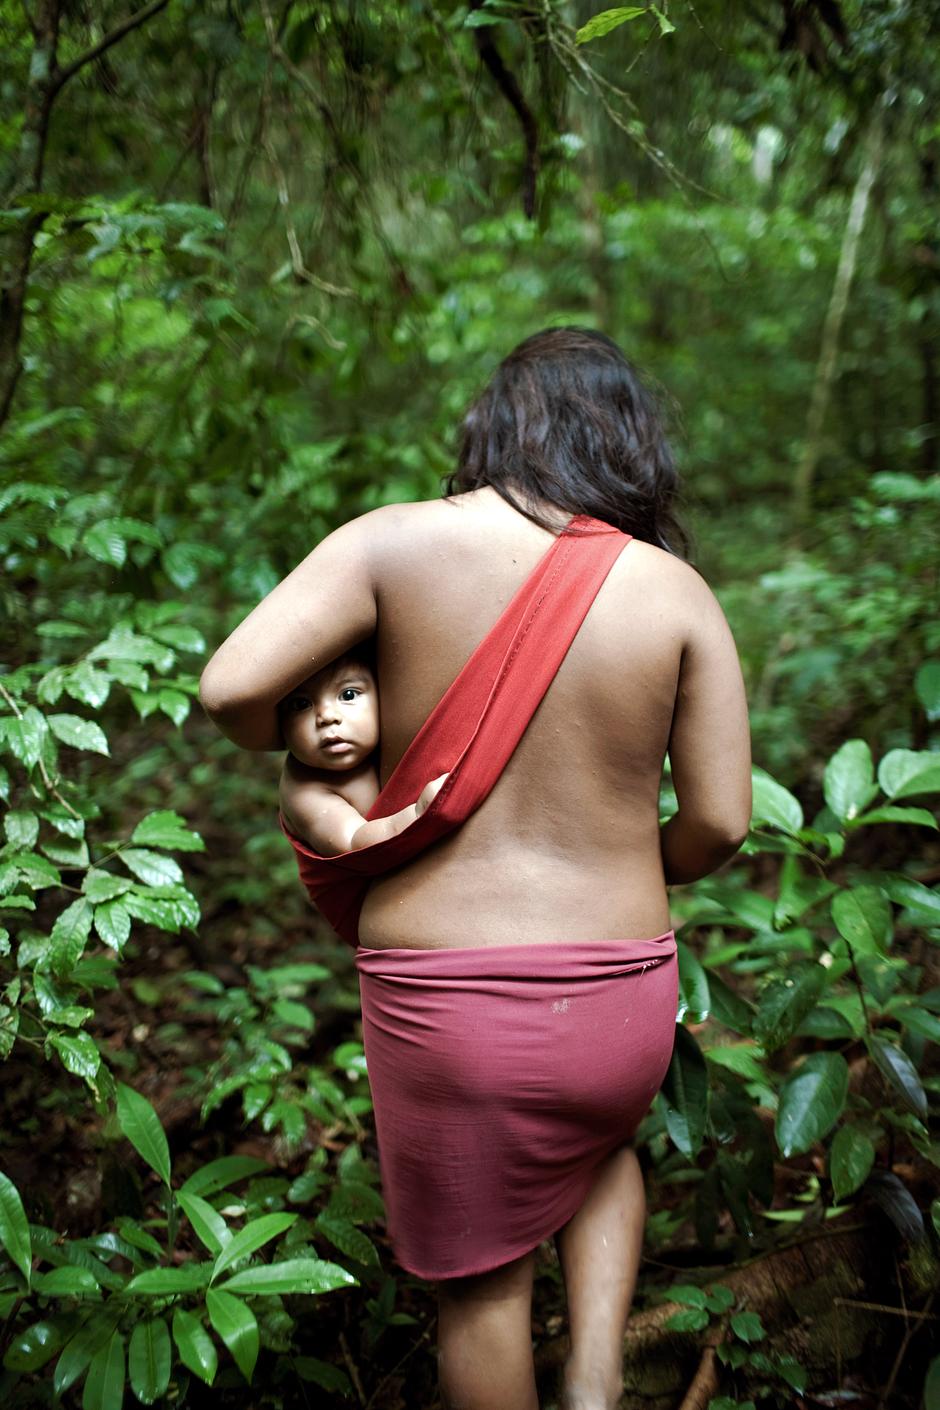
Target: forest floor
(77, 1179)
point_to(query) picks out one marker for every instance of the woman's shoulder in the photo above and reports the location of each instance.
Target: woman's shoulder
(438, 524)
(676, 587)
(399, 519)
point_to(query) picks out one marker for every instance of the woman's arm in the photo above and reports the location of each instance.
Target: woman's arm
(709, 748)
(321, 609)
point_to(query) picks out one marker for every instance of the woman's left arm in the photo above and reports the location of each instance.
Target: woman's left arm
(321, 609)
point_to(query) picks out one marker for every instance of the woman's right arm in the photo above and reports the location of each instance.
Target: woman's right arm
(709, 746)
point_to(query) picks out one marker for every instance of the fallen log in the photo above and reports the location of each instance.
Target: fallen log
(821, 1299)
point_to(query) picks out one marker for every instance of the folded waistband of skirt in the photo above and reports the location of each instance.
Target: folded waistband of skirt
(552, 959)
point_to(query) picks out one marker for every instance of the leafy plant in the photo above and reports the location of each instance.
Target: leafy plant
(264, 1024)
(823, 959)
(160, 1315)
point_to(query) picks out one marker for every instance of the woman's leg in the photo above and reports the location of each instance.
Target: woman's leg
(484, 1334)
(599, 1249)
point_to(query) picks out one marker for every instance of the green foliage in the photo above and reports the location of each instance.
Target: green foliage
(739, 1330)
(263, 1025)
(827, 947)
(149, 1318)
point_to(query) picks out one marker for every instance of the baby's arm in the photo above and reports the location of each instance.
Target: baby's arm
(328, 823)
(381, 828)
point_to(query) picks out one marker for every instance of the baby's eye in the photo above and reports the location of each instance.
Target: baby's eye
(349, 693)
(298, 702)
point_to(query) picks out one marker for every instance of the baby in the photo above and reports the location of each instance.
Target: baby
(330, 724)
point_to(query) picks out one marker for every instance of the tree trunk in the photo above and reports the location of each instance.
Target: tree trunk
(16, 251)
(835, 314)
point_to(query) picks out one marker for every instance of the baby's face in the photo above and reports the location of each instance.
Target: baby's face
(331, 720)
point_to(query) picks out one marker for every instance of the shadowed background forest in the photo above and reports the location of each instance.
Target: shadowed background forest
(257, 258)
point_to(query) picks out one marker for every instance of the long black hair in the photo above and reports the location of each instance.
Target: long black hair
(566, 421)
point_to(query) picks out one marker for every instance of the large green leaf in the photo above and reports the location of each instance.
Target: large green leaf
(774, 804)
(728, 1007)
(67, 1282)
(151, 867)
(694, 1000)
(900, 1073)
(927, 688)
(113, 924)
(104, 1385)
(850, 1161)
(606, 20)
(25, 735)
(921, 901)
(195, 1346)
(918, 1020)
(811, 1101)
(21, 828)
(685, 1094)
(150, 1359)
(79, 733)
(891, 1193)
(904, 773)
(208, 1223)
(912, 817)
(221, 1173)
(742, 1058)
(294, 1275)
(141, 1125)
(78, 1051)
(237, 1325)
(31, 1348)
(167, 829)
(849, 779)
(14, 1227)
(863, 917)
(347, 1238)
(158, 1282)
(69, 936)
(101, 885)
(103, 542)
(77, 1354)
(248, 1240)
(786, 1002)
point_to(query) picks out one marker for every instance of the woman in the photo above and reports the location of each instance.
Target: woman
(564, 848)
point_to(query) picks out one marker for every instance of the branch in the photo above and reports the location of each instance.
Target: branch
(134, 21)
(506, 83)
(301, 273)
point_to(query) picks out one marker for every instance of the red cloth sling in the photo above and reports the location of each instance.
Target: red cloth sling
(472, 731)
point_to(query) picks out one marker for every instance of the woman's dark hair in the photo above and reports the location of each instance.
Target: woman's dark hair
(566, 421)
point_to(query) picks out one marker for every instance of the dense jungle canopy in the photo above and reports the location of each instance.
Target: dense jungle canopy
(255, 261)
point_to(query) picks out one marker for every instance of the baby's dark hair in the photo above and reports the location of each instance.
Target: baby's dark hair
(362, 654)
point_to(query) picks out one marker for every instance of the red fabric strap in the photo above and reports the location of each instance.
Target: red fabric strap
(472, 731)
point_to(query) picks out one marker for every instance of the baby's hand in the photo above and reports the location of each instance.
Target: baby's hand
(428, 793)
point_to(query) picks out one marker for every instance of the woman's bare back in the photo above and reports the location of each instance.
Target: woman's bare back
(567, 845)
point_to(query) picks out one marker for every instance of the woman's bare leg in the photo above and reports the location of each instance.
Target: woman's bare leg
(484, 1334)
(599, 1250)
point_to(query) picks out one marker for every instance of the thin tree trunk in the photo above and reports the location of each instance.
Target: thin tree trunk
(835, 314)
(17, 254)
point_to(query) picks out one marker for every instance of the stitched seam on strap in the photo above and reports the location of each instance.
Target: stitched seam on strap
(562, 558)
(451, 780)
